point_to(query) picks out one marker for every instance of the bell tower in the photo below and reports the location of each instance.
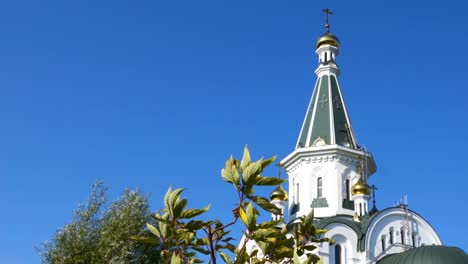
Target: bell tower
(327, 161)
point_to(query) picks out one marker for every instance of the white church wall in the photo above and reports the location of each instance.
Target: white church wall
(346, 238)
(384, 233)
(333, 170)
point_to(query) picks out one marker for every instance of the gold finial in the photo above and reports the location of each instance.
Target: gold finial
(361, 186)
(279, 193)
(328, 12)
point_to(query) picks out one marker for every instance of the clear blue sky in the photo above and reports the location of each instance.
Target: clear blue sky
(156, 93)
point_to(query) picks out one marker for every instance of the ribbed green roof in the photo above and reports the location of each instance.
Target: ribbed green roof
(428, 255)
(326, 121)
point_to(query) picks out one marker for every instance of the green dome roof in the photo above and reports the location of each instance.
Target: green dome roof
(428, 255)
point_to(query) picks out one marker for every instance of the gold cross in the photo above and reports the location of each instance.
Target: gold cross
(328, 12)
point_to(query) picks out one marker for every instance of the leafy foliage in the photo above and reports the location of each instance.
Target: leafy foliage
(101, 235)
(182, 238)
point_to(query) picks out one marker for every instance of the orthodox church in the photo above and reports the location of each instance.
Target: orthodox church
(329, 172)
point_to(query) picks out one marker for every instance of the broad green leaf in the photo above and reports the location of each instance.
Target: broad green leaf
(201, 250)
(309, 220)
(175, 259)
(147, 240)
(202, 241)
(267, 162)
(171, 198)
(163, 229)
(227, 175)
(225, 257)
(250, 174)
(194, 225)
(266, 205)
(266, 233)
(153, 230)
(191, 213)
(268, 181)
(241, 256)
(243, 216)
(179, 206)
(166, 197)
(245, 159)
(309, 247)
(283, 252)
(269, 224)
(251, 217)
(296, 258)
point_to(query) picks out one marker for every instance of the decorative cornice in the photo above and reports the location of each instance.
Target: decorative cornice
(320, 159)
(323, 154)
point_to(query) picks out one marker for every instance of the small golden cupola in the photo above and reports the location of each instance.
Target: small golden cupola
(327, 39)
(360, 187)
(361, 191)
(279, 194)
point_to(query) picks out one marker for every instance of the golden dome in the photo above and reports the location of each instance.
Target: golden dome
(279, 194)
(360, 187)
(328, 39)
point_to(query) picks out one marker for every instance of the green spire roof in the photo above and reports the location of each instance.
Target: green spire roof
(326, 121)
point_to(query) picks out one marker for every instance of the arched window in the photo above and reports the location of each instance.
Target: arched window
(402, 234)
(413, 239)
(319, 187)
(382, 240)
(337, 254)
(391, 236)
(347, 189)
(325, 57)
(360, 209)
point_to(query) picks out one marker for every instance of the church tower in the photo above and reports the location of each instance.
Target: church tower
(328, 170)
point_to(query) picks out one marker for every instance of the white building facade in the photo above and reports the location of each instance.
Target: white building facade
(328, 172)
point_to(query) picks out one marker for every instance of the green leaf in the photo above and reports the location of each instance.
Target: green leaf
(267, 162)
(266, 233)
(309, 247)
(266, 205)
(201, 250)
(227, 175)
(225, 257)
(166, 197)
(179, 207)
(309, 220)
(175, 259)
(147, 240)
(241, 256)
(230, 172)
(251, 217)
(243, 216)
(194, 225)
(296, 258)
(269, 181)
(320, 231)
(250, 174)
(245, 162)
(153, 230)
(171, 198)
(163, 229)
(191, 213)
